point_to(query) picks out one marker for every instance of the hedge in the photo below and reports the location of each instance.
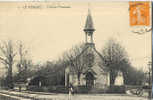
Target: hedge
(116, 89)
(78, 89)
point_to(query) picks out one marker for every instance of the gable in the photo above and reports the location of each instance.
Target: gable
(92, 60)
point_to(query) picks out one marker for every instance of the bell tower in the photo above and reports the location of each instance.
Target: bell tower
(89, 29)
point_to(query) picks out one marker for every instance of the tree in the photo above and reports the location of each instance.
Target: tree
(115, 58)
(76, 60)
(7, 58)
(132, 76)
(24, 64)
(53, 73)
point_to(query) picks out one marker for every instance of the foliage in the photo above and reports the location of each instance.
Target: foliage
(37, 89)
(115, 58)
(52, 89)
(133, 76)
(82, 89)
(77, 62)
(7, 58)
(58, 89)
(3, 82)
(23, 64)
(116, 89)
(9, 52)
(53, 72)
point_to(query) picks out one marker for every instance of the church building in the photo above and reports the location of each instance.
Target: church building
(94, 74)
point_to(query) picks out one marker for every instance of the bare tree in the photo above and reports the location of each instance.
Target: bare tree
(76, 60)
(22, 54)
(7, 59)
(114, 58)
(23, 64)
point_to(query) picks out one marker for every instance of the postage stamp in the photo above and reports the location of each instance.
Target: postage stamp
(139, 13)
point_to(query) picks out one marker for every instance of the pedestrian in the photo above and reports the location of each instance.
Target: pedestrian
(70, 91)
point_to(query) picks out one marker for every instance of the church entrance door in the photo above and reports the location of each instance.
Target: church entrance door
(89, 80)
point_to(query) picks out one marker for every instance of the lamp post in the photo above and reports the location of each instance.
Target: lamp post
(150, 69)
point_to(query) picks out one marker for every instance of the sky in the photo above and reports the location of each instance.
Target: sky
(48, 32)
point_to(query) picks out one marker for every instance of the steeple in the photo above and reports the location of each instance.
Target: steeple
(89, 28)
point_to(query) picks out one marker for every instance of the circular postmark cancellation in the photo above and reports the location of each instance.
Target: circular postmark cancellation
(139, 13)
(141, 29)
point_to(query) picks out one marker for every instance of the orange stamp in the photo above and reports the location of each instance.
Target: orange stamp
(139, 13)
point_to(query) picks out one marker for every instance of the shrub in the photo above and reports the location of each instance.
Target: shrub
(58, 89)
(37, 89)
(53, 89)
(116, 89)
(81, 89)
(77, 89)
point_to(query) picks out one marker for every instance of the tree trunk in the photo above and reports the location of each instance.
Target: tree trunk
(112, 77)
(10, 78)
(79, 74)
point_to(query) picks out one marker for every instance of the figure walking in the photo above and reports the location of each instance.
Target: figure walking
(71, 91)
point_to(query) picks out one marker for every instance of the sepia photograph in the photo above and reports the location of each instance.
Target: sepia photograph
(64, 50)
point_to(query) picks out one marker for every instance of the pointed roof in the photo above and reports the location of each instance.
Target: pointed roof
(89, 22)
(89, 70)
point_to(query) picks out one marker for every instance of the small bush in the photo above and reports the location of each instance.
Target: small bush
(37, 89)
(58, 89)
(116, 89)
(53, 89)
(81, 89)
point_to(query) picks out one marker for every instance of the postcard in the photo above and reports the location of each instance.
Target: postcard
(65, 50)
